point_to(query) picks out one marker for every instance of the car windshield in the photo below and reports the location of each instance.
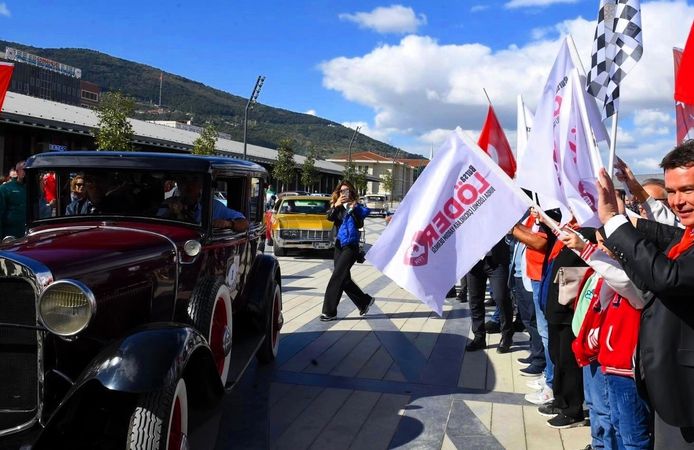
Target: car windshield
(298, 206)
(124, 193)
(375, 198)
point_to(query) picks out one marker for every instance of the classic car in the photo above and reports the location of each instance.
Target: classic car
(378, 204)
(124, 313)
(300, 222)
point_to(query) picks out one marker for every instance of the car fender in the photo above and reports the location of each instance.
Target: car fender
(149, 358)
(264, 268)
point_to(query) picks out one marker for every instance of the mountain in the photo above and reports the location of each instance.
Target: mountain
(183, 98)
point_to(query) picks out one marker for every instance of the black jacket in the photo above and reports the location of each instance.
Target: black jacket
(666, 338)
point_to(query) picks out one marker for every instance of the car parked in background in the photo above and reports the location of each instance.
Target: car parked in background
(117, 316)
(378, 204)
(300, 222)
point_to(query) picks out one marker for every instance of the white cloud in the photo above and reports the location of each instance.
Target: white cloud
(534, 3)
(4, 10)
(382, 135)
(653, 122)
(418, 85)
(311, 112)
(391, 19)
(648, 164)
(478, 8)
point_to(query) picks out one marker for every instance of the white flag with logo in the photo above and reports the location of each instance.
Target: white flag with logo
(540, 170)
(580, 160)
(457, 210)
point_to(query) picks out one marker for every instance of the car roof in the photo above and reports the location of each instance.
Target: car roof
(314, 198)
(144, 161)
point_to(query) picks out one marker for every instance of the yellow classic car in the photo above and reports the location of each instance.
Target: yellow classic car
(299, 222)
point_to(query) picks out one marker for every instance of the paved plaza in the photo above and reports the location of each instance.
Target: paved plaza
(399, 378)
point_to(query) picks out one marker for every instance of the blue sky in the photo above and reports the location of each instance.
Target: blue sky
(405, 71)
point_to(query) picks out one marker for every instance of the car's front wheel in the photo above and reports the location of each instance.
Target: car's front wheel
(279, 251)
(160, 420)
(210, 312)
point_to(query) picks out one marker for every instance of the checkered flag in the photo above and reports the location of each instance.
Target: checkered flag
(617, 48)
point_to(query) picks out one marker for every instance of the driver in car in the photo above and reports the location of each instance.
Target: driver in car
(187, 207)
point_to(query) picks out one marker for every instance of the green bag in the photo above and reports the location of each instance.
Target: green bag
(583, 302)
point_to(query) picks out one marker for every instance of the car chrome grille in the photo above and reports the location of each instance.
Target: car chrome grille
(18, 352)
(307, 235)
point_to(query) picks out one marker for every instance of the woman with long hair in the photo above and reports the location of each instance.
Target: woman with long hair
(348, 216)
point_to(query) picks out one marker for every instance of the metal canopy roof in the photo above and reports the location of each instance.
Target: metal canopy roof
(29, 111)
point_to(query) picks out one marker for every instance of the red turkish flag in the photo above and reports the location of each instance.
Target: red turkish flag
(684, 112)
(493, 141)
(5, 77)
(684, 76)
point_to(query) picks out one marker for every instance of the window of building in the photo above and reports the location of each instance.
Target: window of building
(88, 95)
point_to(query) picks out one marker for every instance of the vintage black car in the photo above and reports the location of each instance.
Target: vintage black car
(124, 309)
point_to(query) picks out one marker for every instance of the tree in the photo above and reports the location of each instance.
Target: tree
(360, 181)
(114, 131)
(350, 173)
(283, 171)
(309, 174)
(387, 182)
(204, 144)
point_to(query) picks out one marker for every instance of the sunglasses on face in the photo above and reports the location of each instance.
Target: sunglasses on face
(344, 191)
(79, 184)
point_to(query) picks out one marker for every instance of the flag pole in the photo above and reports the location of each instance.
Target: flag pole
(487, 95)
(613, 144)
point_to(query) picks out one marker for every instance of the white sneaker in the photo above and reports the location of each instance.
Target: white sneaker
(537, 383)
(540, 398)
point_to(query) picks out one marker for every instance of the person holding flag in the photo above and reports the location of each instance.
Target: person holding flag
(660, 259)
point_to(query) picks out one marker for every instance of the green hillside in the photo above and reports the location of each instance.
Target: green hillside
(183, 98)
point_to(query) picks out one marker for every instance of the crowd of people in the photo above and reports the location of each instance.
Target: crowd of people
(608, 310)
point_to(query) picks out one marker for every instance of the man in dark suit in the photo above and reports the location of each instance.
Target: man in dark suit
(494, 266)
(660, 259)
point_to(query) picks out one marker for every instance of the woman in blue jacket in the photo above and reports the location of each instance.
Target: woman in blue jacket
(348, 216)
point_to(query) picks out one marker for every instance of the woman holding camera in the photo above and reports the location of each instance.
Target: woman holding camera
(348, 216)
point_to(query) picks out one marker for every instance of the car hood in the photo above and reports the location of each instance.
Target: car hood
(303, 222)
(72, 250)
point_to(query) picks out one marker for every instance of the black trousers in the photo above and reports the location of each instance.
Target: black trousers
(341, 281)
(568, 377)
(476, 286)
(526, 309)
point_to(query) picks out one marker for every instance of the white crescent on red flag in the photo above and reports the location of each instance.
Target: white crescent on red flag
(493, 141)
(6, 70)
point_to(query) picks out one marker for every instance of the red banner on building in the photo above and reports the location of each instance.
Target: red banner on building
(5, 77)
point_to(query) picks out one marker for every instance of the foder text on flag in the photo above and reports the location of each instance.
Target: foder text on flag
(460, 206)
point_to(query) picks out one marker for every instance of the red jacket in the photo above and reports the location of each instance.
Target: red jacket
(618, 337)
(586, 346)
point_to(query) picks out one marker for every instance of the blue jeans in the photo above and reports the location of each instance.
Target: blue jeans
(526, 309)
(603, 433)
(543, 331)
(628, 412)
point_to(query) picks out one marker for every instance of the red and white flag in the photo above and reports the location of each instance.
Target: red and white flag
(456, 211)
(5, 77)
(684, 75)
(493, 141)
(684, 112)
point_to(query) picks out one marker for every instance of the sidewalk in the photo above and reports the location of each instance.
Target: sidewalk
(398, 378)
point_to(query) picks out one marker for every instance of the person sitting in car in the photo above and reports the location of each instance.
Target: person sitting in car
(187, 207)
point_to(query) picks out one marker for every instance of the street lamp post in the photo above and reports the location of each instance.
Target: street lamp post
(351, 141)
(251, 100)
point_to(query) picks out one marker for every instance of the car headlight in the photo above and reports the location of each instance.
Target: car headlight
(66, 307)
